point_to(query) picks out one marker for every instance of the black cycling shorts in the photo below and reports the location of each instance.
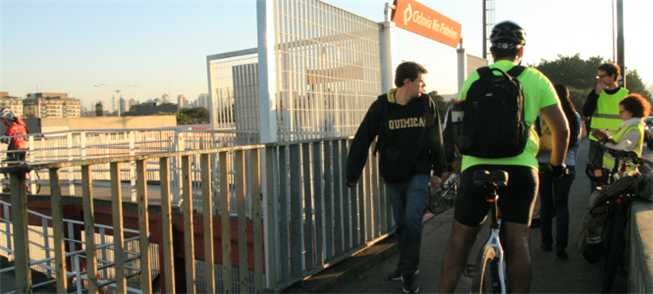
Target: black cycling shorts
(516, 200)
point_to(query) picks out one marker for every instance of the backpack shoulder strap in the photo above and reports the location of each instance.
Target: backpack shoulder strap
(483, 70)
(516, 70)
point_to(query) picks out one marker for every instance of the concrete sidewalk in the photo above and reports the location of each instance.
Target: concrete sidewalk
(550, 274)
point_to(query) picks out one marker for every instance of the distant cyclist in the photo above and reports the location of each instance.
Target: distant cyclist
(517, 198)
(15, 126)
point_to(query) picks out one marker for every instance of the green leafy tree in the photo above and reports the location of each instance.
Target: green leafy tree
(634, 84)
(183, 119)
(439, 102)
(198, 115)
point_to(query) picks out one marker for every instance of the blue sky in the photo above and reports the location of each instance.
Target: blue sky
(69, 46)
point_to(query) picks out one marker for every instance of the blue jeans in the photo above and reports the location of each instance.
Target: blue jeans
(407, 200)
(555, 195)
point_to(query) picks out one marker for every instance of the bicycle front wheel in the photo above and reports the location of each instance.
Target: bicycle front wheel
(486, 277)
(613, 240)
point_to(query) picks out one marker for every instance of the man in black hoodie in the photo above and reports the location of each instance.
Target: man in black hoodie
(407, 124)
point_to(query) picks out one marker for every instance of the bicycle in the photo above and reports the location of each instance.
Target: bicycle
(608, 244)
(440, 198)
(490, 268)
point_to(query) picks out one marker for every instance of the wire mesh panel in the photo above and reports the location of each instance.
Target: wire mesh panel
(233, 86)
(328, 69)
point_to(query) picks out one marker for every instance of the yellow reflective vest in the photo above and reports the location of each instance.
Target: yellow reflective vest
(606, 116)
(634, 127)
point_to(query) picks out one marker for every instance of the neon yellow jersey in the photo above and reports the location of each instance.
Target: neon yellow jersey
(634, 127)
(538, 93)
(606, 116)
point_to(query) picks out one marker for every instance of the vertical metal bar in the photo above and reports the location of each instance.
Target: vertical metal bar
(374, 196)
(227, 286)
(89, 229)
(257, 219)
(117, 215)
(329, 195)
(69, 156)
(340, 205)
(166, 221)
(308, 206)
(189, 234)
(267, 71)
(366, 203)
(283, 214)
(207, 208)
(144, 227)
(241, 202)
(21, 237)
(57, 231)
(270, 216)
(348, 198)
(297, 232)
(132, 166)
(318, 196)
(46, 242)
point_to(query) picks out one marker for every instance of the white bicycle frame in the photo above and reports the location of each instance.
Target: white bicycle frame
(495, 243)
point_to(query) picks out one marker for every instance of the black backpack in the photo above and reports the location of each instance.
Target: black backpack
(489, 123)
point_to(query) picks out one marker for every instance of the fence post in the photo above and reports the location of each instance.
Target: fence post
(132, 164)
(267, 74)
(71, 174)
(21, 243)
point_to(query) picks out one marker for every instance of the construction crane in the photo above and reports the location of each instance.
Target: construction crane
(117, 90)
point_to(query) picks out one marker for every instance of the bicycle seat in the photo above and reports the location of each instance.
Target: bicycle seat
(490, 180)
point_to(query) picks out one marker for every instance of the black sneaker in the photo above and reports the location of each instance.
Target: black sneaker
(546, 247)
(396, 275)
(562, 254)
(410, 284)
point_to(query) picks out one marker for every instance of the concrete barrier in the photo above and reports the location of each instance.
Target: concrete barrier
(640, 265)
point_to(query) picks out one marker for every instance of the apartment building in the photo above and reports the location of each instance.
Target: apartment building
(51, 105)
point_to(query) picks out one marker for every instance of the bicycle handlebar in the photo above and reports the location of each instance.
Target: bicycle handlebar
(621, 154)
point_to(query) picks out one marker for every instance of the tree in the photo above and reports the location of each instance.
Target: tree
(197, 115)
(439, 102)
(99, 110)
(183, 119)
(634, 84)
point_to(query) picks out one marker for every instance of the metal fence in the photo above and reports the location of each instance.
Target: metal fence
(293, 215)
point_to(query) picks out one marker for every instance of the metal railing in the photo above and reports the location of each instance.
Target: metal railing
(41, 237)
(293, 214)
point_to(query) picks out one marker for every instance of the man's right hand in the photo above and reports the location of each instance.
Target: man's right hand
(600, 87)
(352, 184)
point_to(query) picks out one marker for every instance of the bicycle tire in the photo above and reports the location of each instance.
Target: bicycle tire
(613, 240)
(486, 276)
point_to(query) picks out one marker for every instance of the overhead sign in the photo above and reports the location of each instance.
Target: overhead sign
(418, 18)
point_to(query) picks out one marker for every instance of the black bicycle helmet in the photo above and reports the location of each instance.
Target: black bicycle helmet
(508, 35)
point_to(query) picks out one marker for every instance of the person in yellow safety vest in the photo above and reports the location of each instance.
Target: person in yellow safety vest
(602, 105)
(632, 110)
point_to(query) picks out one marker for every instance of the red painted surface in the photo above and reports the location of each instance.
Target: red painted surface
(104, 214)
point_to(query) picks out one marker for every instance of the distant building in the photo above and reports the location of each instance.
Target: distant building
(203, 100)
(165, 98)
(13, 104)
(132, 102)
(151, 108)
(51, 105)
(122, 105)
(182, 101)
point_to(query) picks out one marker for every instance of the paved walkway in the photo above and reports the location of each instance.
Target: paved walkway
(550, 274)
